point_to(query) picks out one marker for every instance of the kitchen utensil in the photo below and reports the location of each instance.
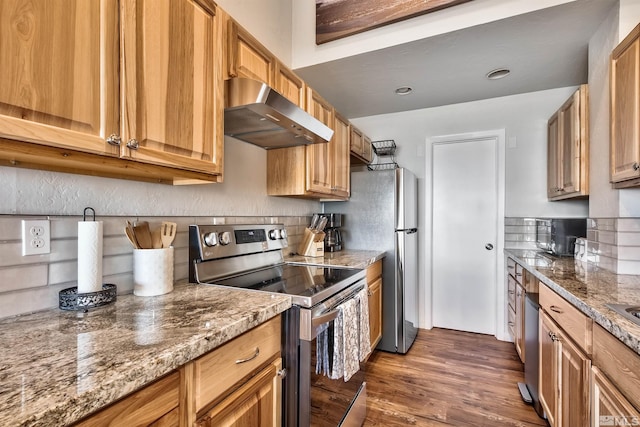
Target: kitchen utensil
(156, 238)
(128, 230)
(168, 233)
(320, 227)
(143, 235)
(314, 221)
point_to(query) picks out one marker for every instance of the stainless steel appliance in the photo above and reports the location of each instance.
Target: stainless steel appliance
(529, 389)
(257, 114)
(250, 257)
(333, 236)
(558, 236)
(382, 214)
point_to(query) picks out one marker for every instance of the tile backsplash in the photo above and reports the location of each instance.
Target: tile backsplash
(32, 283)
(612, 243)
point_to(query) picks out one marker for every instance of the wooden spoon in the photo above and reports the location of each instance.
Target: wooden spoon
(128, 230)
(143, 235)
(168, 232)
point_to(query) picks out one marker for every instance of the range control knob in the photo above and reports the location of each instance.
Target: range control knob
(283, 234)
(225, 238)
(211, 239)
(274, 234)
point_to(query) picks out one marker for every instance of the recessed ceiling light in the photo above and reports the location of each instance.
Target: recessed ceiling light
(498, 73)
(404, 90)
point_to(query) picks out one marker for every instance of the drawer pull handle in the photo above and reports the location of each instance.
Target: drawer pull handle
(257, 352)
(555, 309)
(511, 324)
(511, 292)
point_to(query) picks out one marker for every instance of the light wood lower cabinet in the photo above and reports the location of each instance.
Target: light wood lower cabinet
(374, 281)
(608, 406)
(237, 384)
(565, 364)
(156, 404)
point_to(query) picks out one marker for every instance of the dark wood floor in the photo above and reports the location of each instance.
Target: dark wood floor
(448, 378)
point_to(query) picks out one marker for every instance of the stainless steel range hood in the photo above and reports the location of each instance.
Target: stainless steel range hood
(258, 114)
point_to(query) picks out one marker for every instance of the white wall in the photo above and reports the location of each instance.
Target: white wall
(243, 192)
(604, 200)
(267, 20)
(306, 52)
(524, 118)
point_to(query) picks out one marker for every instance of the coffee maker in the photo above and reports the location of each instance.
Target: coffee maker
(332, 237)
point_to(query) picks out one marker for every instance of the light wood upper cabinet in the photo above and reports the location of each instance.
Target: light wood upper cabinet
(319, 176)
(60, 63)
(568, 149)
(625, 112)
(146, 73)
(246, 57)
(289, 85)
(173, 88)
(339, 148)
(361, 149)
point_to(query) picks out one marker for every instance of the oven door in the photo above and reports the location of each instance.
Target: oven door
(319, 400)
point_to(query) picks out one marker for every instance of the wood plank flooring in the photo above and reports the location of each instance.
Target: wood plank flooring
(448, 378)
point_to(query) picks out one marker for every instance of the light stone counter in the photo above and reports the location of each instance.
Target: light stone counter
(58, 366)
(346, 258)
(588, 288)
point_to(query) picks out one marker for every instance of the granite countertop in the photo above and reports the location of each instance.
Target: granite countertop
(59, 366)
(345, 258)
(588, 288)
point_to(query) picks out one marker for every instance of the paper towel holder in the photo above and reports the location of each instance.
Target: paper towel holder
(70, 299)
(84, 213)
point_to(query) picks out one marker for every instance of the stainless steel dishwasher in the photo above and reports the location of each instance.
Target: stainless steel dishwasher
(529, 389)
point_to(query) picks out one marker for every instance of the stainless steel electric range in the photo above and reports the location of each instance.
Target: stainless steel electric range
(251, 257)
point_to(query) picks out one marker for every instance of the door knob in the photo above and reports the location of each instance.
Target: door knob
(488, 246)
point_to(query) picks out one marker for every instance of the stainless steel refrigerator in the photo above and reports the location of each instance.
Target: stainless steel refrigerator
(382, 214)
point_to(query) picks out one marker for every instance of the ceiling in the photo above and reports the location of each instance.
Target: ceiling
(544, 49)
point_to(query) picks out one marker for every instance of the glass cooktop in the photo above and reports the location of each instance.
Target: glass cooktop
(307, 285)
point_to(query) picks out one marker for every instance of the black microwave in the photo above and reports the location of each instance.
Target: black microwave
(558, 236)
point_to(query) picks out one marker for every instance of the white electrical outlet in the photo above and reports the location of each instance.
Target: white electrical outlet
(36, 237)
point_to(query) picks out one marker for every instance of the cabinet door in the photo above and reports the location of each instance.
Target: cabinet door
(357, 141)
(367, 149)
(553, 156)
(608, 406)
(574, 371)
(375, 312)
(60, 63)
(319, 164)
(247, 57)
(549, 365)
(256, 403)
(570, 145)
(173, 88)
(288, 84)
(625, 95)
(519, 322)
(340, 157)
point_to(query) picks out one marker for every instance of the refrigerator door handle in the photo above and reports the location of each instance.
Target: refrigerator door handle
(408, 230)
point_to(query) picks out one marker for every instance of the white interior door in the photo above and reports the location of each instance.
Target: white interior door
(464, 234)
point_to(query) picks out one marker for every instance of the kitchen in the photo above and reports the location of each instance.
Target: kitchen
(243, 196)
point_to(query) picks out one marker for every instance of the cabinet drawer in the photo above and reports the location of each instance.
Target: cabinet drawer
(220, 369)
(511, 266)
(141, 408)
(512, 322)
(618, 362)
(575, 324)
(519, 271)
(511, 292)
(374, 271)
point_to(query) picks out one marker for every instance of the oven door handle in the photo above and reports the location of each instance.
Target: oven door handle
(324, 318)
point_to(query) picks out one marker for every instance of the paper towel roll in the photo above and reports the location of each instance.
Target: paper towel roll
(89, 256)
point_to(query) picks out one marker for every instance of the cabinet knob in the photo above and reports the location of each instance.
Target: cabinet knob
(133, 144)
(282, 373)
(114, 139)
(636, 166)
